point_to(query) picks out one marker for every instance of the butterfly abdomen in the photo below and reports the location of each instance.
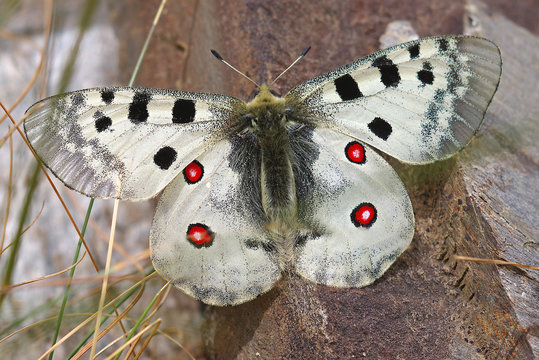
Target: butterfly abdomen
(277, 178)
(269, 122)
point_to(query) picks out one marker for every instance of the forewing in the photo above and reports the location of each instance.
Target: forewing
(419, 101)
(358, 211)
(125, 143)
(208, 235)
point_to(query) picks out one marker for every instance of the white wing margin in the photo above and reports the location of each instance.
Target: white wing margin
(125, 143)
(419, 101)
(360, 213)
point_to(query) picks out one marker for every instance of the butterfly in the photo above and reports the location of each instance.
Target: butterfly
(254, 190)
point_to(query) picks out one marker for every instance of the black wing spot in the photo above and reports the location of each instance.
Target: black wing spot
(165, 157)
(107, 96)
(426, 75)
(414, 51)
(389, 72)
(390, 75)
(380, 128)
(443, 45)
(381, 61)
(138, 109)
(103, 123)
(183, 111)
(347, 88)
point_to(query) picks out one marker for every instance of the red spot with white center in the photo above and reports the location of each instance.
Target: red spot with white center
(200, 235)
(193, 172)
(363, 215)
(355, 152)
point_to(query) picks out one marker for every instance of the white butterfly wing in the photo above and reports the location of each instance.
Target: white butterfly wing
(419, 101)
(208, 235)
(359, 213)
(123, 142)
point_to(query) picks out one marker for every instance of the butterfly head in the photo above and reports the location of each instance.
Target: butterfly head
(265, 98)
(266, 110)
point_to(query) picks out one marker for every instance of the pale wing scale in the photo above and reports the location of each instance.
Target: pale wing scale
(239, 264)
(339, 253)
(434, 107)
(122, 160)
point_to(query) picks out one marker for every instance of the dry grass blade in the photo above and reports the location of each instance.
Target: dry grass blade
(153, 326)
(106, 330)
(91, 317)
(2, 249)
(494, 261)
(6, 290)
(8, 195)
(105, 277)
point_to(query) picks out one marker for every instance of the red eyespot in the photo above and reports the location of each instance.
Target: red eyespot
(363, 215)
(355, 152)
(193, 172)
(200, 235)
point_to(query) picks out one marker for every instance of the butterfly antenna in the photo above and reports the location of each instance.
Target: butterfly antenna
(294, 63)
(220, 58)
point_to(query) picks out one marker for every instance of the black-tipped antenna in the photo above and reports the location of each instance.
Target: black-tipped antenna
(220, 58)
(294, 63)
